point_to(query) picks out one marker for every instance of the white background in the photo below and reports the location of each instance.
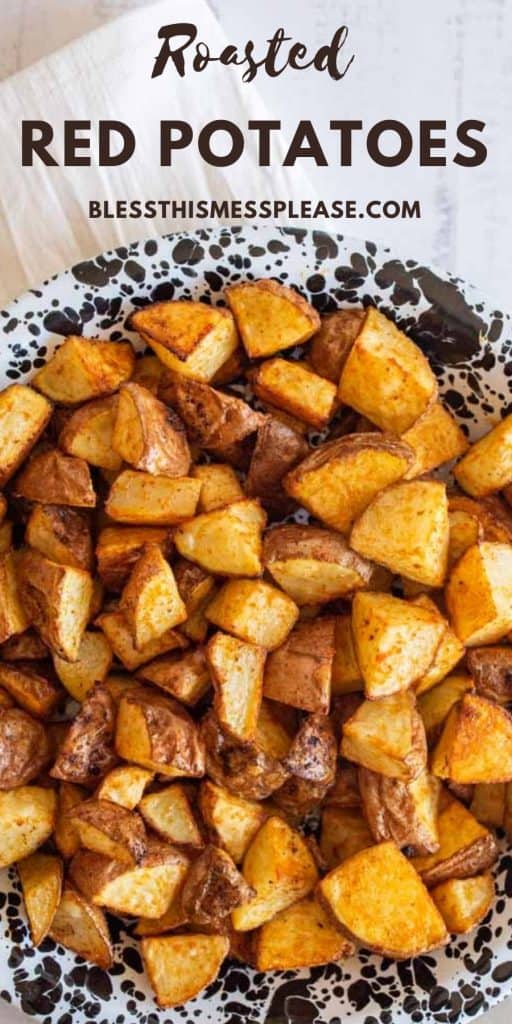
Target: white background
(448, 59)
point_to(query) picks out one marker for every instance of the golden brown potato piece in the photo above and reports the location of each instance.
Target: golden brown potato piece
(300, 936)
(237, 674)
(110, 829)
(148, 435)
(476, 744)
(124, 785)
(346, 674)
(270, 316)
(213, 888)
(386, 376)
(435, 705)
(291, 386)
(471, 521)
(195, 585)
(339, 479)
(465, 847)
(253, 611)
(180, 966)
(405, 812)
(280, 868)
(158, 734)
(84, 368)
(311, 760)
(169, 813)
(52, 477)
(214, 420)
(488, 803)
(24, 748)
(144, 890)
(31, 689)
(41, 882)
(92, 665)
(65, 835)
(250, 770)
(121, 640)
(345, 790)
(57, 599)
(13, 617)
(332, 343)
(151, 602)
(491, 670)
(387, 736)
(219, 485)
(191, 338)
(232, 369)
(448, 654)
(479, 594)
(86, 754)
(464, 902)
(173, 918)
(435, 438)
(146, 500)
(277, 450)
(299, 672)
(27, 818)
(83, 928)
(60, 534)
(231, 820)
(23, 416)
(344, 831)
(400, 919)
(395, 642)
(6, 530)
(26, 646)
(184, 676)
(487, 466)
(406, 529)
(226, 541)
(148, 372)
(119, 547)
(88, 434)
(314, 565)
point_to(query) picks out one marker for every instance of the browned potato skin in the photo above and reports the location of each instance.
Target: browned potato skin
(299, 671)
(172, 672)
(173, 737)
(244, 769)
(320, 544)
(278, 449)
(165, 450)
(391, 813)
(86, 754)
(463, 863)
(331, 345)
(24, 647)
(91, 871)
(61, 534)
(214, 420)
(491, 671)
(41, 583)
(115, 563)
(24, 749)
(120, 825)
(31, 688)
(51, 476)
(312, 760)
(213, 888)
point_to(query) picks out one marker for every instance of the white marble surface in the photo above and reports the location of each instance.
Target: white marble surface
(448, 59)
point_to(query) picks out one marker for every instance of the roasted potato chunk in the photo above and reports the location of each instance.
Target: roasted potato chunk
(79, 926)
(237, 673)
(479, 594)
(213, 888)
(314, 565)
(31, 689)
(251, 770)
(110, 829)
(464, 902)
(27, 818)
(476, 744)
(180, 966)
(158, 734)
(184, 676)
(435, 705)
(395, 642)
(387, 736)
(13, 617)
(487, 466)
(144, 890)
(405, 812)
(54, 478)
(86, 754)
(491, 670)
(84, 368)
(331, 345)
(26, 646)
(148, 435)
(191, 338)
(277, 450)
(219, 486)
(231, 820)
(24, 748)
(119, 547)
(299, 671)
(291, 386)
(448, 654)
(280, 868)
(300, 936)
(393, 531)
(122, 642)
(270, 316)
(346, 674)
(146, 500)
(60, 534)
(151, 602)
(400, 920)
(65, 835)
(435, 438)
(488, 803)
(169, 813)
(124, 785)
(23, 416)
(311, 760)
(92, 666)
(226, 541)
(253, 611)
(214, 420)
(41, 883)
(386, 376)
(344, 831)
(339, 479)
(57, 599)
(465, 847)
(88, 434)
(173, 918)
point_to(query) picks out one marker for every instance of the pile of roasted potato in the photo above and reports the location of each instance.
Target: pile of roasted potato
(238, 672)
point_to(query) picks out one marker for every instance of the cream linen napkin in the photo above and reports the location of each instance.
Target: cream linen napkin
(44, 224)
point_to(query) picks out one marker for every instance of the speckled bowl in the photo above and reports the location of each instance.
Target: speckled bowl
(468, 342)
